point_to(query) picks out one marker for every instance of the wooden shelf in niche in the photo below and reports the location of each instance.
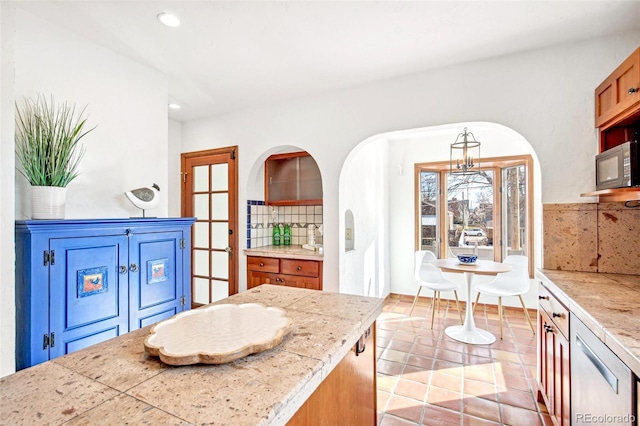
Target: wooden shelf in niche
(615, 195)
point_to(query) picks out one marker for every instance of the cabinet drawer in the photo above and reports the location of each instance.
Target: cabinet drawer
(307, 268)
(557, 312)
(263, 264)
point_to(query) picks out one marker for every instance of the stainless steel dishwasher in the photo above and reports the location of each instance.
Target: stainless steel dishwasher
(601, 384)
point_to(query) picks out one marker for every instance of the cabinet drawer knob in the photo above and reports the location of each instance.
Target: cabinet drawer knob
(261, 264)
(299, 268)
(548, 328)
(632, 90)
(133, 267)
(123, 269)
(556, 315)
(543, 297)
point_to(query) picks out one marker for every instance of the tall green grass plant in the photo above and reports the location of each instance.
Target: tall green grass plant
(48, 141)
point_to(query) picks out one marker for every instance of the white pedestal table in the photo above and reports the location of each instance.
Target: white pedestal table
(468, 333)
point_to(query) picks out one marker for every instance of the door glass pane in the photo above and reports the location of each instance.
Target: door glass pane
(429, 212)
(220, 206)
(200, 290)
(201, 235)
(219, 177)
(201, 262)
(514, 211)
(220, 235)
(220, 289)
(470, 214)
(220, 264)
(201, 178)
(201, 206)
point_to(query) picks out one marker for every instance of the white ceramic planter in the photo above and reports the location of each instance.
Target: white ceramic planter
(48, 202)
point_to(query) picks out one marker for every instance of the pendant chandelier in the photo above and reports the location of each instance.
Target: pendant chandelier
(465, 154)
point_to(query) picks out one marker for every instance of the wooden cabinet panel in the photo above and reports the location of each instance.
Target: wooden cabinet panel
(348, 395)
(554, 377)
(292, 179)
(263, 264)
(619, 92)
(307, 268)
(287, 272)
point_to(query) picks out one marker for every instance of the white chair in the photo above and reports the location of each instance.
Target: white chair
(429, 276)
(513, 283)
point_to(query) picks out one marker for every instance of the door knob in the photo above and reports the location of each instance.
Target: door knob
(230, 251)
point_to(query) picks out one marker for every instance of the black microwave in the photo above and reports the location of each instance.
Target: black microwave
(618, 167)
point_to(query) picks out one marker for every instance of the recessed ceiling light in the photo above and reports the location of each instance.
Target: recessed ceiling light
(174, 106)
(169, 19)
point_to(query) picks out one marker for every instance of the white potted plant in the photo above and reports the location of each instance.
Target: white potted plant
(47, 145)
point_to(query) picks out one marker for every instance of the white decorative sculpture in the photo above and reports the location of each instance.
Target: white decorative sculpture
(144, 198)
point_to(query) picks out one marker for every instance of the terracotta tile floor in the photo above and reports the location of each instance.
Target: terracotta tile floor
(427, 378)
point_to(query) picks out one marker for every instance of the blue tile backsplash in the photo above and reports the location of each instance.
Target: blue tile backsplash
(260, 220)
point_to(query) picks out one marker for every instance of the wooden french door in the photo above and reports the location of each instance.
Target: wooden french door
(210, 193)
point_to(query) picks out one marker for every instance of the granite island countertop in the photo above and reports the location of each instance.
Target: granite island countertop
(608, 304)
(286, 252)
(116, 381)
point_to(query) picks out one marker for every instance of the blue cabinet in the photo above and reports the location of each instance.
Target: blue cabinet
(80, 282)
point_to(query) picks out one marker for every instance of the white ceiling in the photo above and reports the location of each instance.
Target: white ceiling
(231, 55)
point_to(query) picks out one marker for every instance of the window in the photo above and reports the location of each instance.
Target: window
(490, 210)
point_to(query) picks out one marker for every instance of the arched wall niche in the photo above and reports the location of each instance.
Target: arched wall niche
(261, 217)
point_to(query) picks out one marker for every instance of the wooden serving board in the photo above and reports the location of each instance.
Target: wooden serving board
(218, 334)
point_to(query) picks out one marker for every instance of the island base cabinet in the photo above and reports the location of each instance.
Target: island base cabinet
(348, 395)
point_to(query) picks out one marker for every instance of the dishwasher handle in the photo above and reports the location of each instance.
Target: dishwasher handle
(602, 369)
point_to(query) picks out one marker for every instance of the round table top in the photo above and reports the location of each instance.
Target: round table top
(481, 267)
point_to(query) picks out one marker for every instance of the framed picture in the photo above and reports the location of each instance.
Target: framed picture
(157, 270)
(92, 281)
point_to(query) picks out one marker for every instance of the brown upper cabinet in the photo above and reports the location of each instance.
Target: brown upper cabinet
(617, 103)
(292, 179)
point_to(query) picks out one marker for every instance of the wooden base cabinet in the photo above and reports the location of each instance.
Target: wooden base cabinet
(348, 395)
(554, 377)
(80, 282)
(287, 272)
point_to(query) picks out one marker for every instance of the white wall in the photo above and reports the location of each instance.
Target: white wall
(127, 101)
(127, 150)
(364, 189)
(7, 182)
(175, 179)
(545, 95)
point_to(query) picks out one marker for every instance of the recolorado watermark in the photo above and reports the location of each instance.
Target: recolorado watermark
(603, 419)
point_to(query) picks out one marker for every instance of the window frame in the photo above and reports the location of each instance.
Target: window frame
(497, 164)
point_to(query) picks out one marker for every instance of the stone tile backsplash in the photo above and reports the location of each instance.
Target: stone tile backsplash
(260, 220)
(592, 237)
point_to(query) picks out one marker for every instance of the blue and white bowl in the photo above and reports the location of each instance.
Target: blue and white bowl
(468, 259)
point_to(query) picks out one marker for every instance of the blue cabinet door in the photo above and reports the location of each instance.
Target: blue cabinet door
(88, 292)
(156, 278)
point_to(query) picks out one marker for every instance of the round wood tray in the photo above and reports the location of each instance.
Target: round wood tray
(218, 334)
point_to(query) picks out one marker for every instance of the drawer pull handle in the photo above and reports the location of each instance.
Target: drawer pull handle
(632, 90)
(299, 268)
(543, 297)
(548, 328)
(556, 315)
(123, 269)
(133, 267)
(261, 264)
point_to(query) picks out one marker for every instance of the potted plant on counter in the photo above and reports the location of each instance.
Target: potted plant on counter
(48, 147)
